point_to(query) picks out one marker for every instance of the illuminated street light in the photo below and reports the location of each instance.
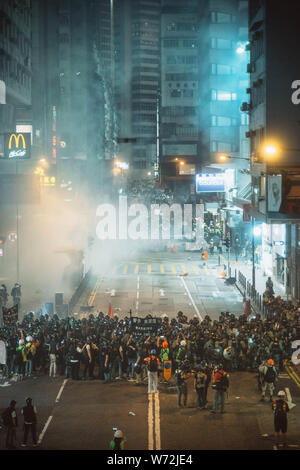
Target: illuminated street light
(181, 163)
(225, 157)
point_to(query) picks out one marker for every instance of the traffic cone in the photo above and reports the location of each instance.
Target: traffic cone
(110, 311)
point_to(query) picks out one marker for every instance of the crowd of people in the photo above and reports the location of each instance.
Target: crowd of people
(109, 348)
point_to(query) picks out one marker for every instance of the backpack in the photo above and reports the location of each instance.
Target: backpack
(223, 383)
(6, 417)
(153, 364)
(270, 375)
(200, 380)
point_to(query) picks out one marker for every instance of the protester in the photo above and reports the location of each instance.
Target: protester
(10, 421)
(280, 409)
(30, 418)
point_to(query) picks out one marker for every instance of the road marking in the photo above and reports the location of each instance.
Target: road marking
(157, 422)
(61, 390)
(94, 292)
(125, 269)
(149, 269)
(161, 292)
(162, 269)
(154, 439)
(137, 294)
(150, 422)
(289, 398)
(136, 269)
(191, 298)
(173, 270)
(292, 374)
(45, 429)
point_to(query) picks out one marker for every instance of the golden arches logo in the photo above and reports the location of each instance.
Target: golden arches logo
(16, 139)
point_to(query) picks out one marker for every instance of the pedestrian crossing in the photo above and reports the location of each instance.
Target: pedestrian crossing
(164, 269)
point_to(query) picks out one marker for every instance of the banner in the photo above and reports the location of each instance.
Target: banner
(145, 326)
(10, 315)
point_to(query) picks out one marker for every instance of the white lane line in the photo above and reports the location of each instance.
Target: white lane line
(191, 298)
(289, 398)
(157, 422)
(150, 422)
(61, 390)
(50, 417)
(45, 429)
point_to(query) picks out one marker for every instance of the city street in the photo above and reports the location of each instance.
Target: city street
(164, 283)
(80, 415)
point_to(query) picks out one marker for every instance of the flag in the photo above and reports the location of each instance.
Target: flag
(110, 311)
(10, 315)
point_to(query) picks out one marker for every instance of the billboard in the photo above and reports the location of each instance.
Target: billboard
(17, 146)
(274, 193)
(210, 183)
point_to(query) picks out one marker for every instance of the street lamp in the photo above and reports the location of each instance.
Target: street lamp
(225, 157)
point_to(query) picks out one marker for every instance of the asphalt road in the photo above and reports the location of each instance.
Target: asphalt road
(80, 415)
(163, 283)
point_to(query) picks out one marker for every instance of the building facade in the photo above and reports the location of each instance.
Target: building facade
(274, 136)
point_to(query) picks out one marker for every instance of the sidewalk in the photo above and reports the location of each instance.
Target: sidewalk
(245, 267)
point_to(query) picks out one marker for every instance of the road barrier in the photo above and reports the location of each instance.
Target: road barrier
(250, 292)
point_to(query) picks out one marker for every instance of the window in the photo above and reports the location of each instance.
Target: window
(224, 147)
(189, 43)
(175, 93)
(218, 43)
(171, 43)
(223, 121)
(219, 95)
(188, 93)
(139, 164)
(217, 17)
(245, 119)
(219, 69)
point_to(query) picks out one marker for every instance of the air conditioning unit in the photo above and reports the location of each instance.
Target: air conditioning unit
(245, 107)
(247, 134)
(248, 90)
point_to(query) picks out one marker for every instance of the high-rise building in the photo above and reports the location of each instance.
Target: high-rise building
(73, 96)
(180, 86)
(137, 80)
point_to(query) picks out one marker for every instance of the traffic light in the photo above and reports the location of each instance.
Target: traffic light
(226, 242)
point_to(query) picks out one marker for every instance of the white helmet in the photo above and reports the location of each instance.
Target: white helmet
(281, 393)
(182, 343)
(118, 433)
(21, 341)
(28, 339)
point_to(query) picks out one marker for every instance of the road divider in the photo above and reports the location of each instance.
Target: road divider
(154, 439)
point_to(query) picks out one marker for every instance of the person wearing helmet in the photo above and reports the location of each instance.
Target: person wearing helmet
(269, 379)
(280, 409)
(181, 353)
(153, 364)
(20, 360)
(30, 418)
(118, 442)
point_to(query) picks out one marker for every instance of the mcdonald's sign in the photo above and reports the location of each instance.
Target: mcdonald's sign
(17, 146)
